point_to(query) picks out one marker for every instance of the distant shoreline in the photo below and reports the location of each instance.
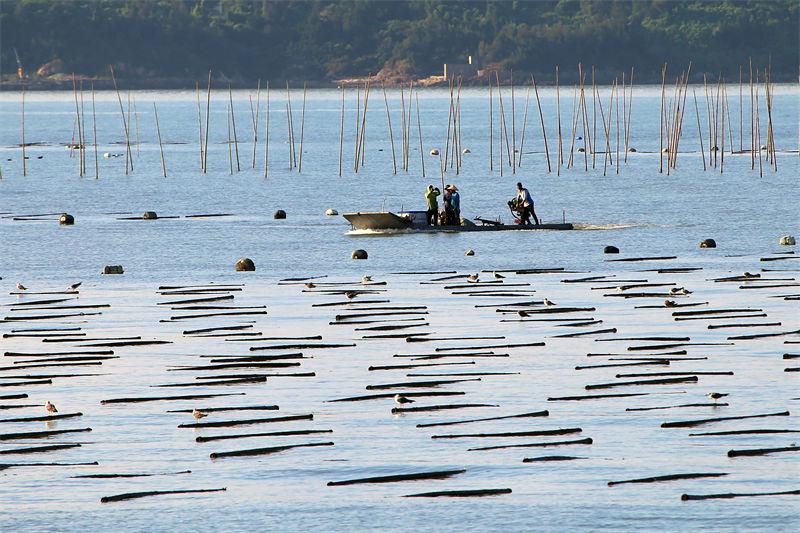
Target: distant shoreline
(521, 79)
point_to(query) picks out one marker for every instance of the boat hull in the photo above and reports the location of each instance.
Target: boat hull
(387, 221)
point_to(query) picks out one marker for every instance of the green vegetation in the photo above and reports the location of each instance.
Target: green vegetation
(316, 40)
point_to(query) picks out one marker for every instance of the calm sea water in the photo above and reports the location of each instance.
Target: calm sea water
(642, 211)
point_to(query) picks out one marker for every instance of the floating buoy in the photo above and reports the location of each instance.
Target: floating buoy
(708, 243)
(469, 252)
(631, 149)
(581, 150)
(787, 240)
(610, 250)
(359, 254)
(665, 150)
(466, 151)
(280, 214)
(112, 269)
(434, 152)
(149, 215)
(245, 264)
(331, 212)
(66, 219)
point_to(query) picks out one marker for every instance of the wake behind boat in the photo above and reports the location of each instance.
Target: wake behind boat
(416, 221)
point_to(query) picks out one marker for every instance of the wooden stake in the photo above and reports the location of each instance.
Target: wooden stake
(233, 122)
(208, 106)
(524, 123)
(80, 137)
(199, 125)
(419, 132)
(541, 119)
(560, 154)
(388, 120)
(699, 131)
(135, 119)
(230, 156)
(24, 173)
(491, 124)
(255, 123)
(160, 146)
(94, 130)
(266, 137)
(660, 123)
(302, 128)
(513, 126)
(341, 136)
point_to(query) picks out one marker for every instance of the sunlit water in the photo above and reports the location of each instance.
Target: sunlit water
(642, 211)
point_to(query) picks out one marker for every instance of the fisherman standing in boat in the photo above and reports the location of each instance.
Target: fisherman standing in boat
(447, 200)
(526, 202)
(456, 203)
(433, 204)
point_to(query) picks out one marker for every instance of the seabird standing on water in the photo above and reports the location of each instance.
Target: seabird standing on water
(749, 275)
(310, 285)
(366, 279)
(522, 313)
(50, 407)
(498, 276)
(350, 295)
(716, 395)
(198, 414)
(400, 399)
(21, 287)
(473, 277)
(670, 303)
(74, 286)
(547, 302)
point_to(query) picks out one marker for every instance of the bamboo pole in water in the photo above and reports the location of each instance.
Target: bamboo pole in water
(255, 123)
(208, 107)
(758, 132)
(78, 121)
(233, 122)
(408, 122)
(770, 138)
(513, 127)
(341, 135)
(630, 106)
(699, 131)
(289, 135)
(594, 120)
(500, 126)
(290, 115)
(388, 120)
(302, 129)
(363, 135)
(94, 131)
(504, 132)
(403, 127)
(727, 103)
(24, 170)
(230, 155)
(419, 132)
(722, 143)
(574, 125)
(752, 111)
(199, 124)
(266, 137)
(524, 124)
(160, 146)
(358, 123)
(587, 139)
(617, 116)
(741, 142)
(491, 125)
(541, 119)
(605, 130)
(83, 132)
(457, 127)
(450, 84)
(135, 121)
(560, 155)
(660, 123)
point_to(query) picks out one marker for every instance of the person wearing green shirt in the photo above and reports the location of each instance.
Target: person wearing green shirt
(433, 204)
